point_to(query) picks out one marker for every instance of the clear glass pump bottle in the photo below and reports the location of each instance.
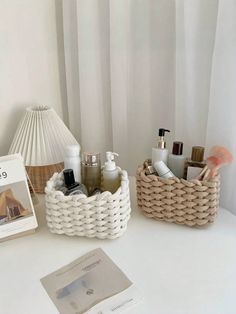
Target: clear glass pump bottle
(110, 173)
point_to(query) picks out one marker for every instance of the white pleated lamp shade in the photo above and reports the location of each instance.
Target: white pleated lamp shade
(41, 138)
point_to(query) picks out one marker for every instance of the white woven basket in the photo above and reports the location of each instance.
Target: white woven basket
(103, 216)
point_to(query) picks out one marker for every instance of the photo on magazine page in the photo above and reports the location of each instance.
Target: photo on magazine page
(14, 203)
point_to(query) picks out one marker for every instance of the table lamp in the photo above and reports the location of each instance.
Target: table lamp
(41, 138)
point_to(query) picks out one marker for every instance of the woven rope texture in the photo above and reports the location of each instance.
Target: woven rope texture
(103, 216)
(192, 203)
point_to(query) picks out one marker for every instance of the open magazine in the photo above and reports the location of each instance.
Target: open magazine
(91, 284)
(17, 214)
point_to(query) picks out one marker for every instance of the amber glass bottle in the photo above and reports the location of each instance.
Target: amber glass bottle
(194, 165)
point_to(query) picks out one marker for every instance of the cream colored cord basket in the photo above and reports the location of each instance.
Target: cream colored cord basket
(192, 203)
(103, 216)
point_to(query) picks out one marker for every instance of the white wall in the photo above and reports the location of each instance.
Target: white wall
(29, 69)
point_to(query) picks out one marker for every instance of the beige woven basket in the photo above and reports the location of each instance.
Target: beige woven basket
(192, 203)
(103, 216)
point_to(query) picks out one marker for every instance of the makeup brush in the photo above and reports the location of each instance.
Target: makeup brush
(219, 157)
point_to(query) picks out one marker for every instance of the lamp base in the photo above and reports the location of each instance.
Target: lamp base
(39, 175)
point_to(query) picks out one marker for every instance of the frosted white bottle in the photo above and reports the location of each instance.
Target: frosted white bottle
(72, 160)
(162, 170)
(176, 160)
(110, 174)
(160, 153)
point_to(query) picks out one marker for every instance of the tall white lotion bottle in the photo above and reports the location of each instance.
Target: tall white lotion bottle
(110, 173)
(160, 153)
(72, 160)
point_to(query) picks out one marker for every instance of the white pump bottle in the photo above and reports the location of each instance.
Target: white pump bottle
(110, 173)
(160, 153)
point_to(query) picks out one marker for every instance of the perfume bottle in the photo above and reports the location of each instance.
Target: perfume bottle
(91, 171)
(194, 165)
(71, 186)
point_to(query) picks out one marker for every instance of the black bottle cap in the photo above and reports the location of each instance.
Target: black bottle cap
(69, 177)
(177, 148)
(162, 132)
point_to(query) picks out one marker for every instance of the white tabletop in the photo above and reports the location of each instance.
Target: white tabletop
(179, 270)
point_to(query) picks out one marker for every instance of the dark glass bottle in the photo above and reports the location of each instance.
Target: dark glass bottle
(71, 186)
(196, 161)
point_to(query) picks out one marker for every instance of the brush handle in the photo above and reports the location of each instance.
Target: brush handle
(202, 173)
(207, 175)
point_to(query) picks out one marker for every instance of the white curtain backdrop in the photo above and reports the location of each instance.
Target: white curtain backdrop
(133, 66)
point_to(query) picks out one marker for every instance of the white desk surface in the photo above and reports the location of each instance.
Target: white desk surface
(179, 270)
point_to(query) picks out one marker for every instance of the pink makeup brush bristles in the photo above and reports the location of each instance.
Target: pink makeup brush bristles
(219, 156)
(222, 154)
